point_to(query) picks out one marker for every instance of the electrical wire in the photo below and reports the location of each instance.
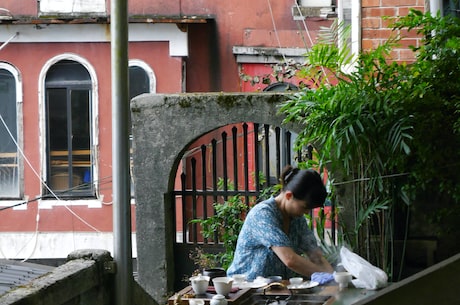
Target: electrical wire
(296, 4)
(274, 29)
(37, 218)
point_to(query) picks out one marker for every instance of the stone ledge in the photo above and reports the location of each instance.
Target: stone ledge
(97, 255)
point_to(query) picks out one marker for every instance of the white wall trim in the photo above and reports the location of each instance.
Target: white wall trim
(15, 204)
(49, 204)
(17, 76)
(29, 33)
(49, 245)
(152, 78)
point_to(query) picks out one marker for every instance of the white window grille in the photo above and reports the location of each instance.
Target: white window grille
(72, 7)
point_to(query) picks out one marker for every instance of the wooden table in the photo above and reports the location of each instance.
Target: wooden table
(187, 293)
(345, 296)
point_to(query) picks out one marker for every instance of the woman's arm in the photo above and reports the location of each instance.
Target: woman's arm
(315, 262)
(317, 257)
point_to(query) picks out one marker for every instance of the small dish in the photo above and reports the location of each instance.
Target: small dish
(303, 286)
(245, 284)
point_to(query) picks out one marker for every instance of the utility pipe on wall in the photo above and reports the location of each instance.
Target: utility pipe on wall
(356, 26)
(435, 6)
(120, 154)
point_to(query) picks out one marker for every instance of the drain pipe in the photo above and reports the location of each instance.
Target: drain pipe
(356, 8)
(120, 154)
(435, 7)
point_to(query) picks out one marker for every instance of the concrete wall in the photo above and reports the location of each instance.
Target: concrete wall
(87, 278)
(163, 126)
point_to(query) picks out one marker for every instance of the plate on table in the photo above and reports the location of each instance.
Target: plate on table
(303, 286)
(255, 284)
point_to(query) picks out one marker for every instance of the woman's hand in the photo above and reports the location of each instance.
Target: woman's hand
(303, 265)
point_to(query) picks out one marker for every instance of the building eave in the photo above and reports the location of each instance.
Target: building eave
(174, 33)
(72, 19)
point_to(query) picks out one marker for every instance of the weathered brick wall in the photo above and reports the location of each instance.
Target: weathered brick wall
(375, 28)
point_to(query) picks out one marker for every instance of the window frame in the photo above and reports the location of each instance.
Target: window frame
(93, 201)
(19, 140)
(72, 152)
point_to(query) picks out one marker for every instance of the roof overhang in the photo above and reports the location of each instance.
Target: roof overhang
(172, 30)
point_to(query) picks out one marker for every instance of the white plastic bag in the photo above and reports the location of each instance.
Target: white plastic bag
(367, 275)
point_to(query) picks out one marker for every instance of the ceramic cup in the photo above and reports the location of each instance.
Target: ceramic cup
(343, 278)
(199, 283)
(223, 285)
(295, 281)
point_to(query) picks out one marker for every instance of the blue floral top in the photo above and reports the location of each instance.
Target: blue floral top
(263, 229)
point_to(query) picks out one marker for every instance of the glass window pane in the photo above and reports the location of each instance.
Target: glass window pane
(57, 119)
(69, 129)
(9, 171)
(81, 140)
(138, 81)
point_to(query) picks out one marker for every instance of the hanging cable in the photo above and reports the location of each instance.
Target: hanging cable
(8, 41)
(41, 180)
(275, 30)
(37, 217)
(303, 22)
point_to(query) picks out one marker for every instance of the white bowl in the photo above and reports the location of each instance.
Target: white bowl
(200, 283)
(295, 281)
(223, 285)
(343, 278)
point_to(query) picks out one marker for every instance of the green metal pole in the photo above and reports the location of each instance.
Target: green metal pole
(120, 154)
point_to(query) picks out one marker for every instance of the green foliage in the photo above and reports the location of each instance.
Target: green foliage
(436, 101)
(226, 224)
(330, 248)
(383, 126)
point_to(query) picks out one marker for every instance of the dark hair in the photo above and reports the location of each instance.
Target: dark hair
(305, 184)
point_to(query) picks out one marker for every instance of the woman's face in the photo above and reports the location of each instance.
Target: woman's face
(296, 207)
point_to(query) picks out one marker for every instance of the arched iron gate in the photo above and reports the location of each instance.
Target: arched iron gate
(220, 164)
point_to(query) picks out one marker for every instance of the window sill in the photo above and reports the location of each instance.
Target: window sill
(15, 204)
(50, 203)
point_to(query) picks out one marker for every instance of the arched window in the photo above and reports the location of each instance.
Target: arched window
(68, 117)
(10, 101)
(141, 80)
